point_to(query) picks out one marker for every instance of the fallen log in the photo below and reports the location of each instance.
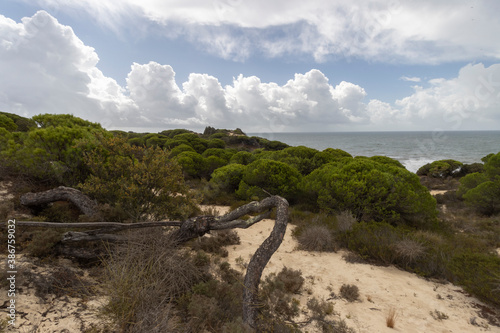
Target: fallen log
(86, 205)
(196, 227)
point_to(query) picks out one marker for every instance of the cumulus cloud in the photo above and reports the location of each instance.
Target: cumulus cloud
(46, 68)
(472, 98)
(390, 31)
(410, 79)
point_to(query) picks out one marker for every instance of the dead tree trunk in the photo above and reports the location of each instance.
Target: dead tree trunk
(189, 229)
(86, 205)
(260, 259)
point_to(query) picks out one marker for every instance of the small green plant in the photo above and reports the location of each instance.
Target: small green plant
(241, 263)
(350, 292)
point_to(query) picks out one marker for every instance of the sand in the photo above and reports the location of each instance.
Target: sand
(418, 302)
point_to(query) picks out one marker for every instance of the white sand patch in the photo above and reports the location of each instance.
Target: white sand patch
(48, 313)
(435, 192)
(381, 288)
(4, 191)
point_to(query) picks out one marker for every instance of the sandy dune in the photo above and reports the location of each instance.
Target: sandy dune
(418, 301)
(381, 288)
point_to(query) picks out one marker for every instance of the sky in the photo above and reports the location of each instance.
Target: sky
(262, 66)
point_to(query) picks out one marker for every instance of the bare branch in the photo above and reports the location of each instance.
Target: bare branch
(86, 205)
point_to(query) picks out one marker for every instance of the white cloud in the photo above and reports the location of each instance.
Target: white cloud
(46, 68)
(426, 31)
(410, 79)
(472, 98)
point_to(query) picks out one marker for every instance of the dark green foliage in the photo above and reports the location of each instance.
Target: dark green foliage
(7, 123)
(478, 273)
(371, 191)
(23, 124)
(485, 197)
(181, 148)
(193, 164)
(301, 158)
(274, 177)
(224, 154)
(144, 182)
(329, 155)
(63, 120)
(242, 157)
(192, 139)
(152, 140)
(374, 241)
(172, 133)
(482, 190)
(216, 143)
(227, 178)
(472, 168)
(441, 169)
(52, 152)
(387, 160)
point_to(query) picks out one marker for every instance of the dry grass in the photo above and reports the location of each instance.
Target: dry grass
(350, 292)
(345, 221)
(316, 238)
(143, 277)
(409, 250)
(390, 320)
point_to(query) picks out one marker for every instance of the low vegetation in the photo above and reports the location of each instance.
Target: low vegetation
(371, 206)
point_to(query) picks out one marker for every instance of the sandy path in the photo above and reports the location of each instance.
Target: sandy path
(381, 288)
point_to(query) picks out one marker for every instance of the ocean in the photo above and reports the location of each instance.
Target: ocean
(412, 149)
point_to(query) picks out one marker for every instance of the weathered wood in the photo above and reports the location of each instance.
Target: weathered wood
(193, 228)
(111, 225)
(74, 236)
(86, 205)
(261, 257)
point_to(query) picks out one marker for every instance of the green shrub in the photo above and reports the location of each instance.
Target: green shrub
(374, 240)
(485, 197)
(277, 178)
(242, 157)
(192, 163)
(7, 123)
(144, 182)
(481, 191)
(227, 178)
(52, 152)
(180, 149)
(478, 274)
(441, 169)
(371, 191)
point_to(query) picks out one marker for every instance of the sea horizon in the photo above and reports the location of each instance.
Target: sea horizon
(412, 148)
